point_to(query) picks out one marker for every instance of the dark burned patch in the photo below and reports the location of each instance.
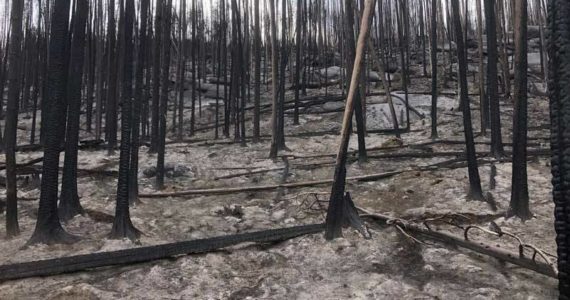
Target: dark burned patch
(245, 292)
(405, 260)
(231, 211)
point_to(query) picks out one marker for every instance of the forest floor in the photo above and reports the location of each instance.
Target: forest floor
(391, 265)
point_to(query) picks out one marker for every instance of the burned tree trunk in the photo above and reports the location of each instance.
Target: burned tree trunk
(492, 90)
(335, 211)
(135, 134)
(122, 225)
(257, 75)
(475, 191)
(484, 104)
(434, 134)
(559, 94)
(519, 194)
(48, 228)
(274, 71)
(112, 77)
(14, 77)
(69, 205)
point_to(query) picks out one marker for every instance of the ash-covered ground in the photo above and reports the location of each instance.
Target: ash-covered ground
(391, 265)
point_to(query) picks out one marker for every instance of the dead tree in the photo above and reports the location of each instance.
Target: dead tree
(112, 79)
(274, 71)
(69, 205)
(14, 77)
(519, 192)
(559, 94)
(136, 118)
(156, 67)
(257, 72)
(335, 213)
(484, 104)
(48, 228)
(163, 105)
(475, 191)
(351, 54)
(434, 134)
(492, 78)
(122, 225)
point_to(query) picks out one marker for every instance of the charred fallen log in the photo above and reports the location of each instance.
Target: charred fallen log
(77, 263)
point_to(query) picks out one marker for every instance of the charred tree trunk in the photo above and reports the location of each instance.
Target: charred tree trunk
(136, 116)
(559, 94)
(492, 90)
(156, 67)
(122, 225)
(257, 75)
(334, 220)
(434, 134)
(111, 107)
(274, 72)
(14, 77)
(48, 228)
(165, 43)
(519, 194)
(475, 191)
(484, 104)
(69, 205)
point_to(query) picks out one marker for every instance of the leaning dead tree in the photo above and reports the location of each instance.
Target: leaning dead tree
(335, 213)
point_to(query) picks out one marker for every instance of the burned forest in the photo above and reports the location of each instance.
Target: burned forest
(284, 149)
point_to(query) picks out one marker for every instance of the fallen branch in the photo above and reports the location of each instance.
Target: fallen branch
(220, 191)
(77, 263)
(478, 247)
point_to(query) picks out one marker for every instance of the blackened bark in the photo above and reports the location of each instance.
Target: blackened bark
(298, 64)
(163, 106)
(69, 205)
(336, 209)
(111, 107)
(519, 204)
(274, 71)
(559, 94)
(434, 134)
(492, 89)
(14, 77)
(351, 54)
(48, 228)
(157, 42)
(257, 75)
(475, 191)
(122, 225)
(141, 66)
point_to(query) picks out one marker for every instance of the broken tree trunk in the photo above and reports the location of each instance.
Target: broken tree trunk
(335, 211)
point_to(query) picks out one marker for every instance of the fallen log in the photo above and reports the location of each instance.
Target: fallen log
(479, 247)
(77, 263)
(220, 191)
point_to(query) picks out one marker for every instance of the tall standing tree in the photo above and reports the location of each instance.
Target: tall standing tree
(484, 104)
(257, 72)
(559, 94)
(475, 191)
(138, 101)
(434, 134)
(48, 228)
(492, 78)
(112, 77)
(164, 84)
(122, 225)
(519, 205)
(274, 71)
(69, 205)
(14, 77)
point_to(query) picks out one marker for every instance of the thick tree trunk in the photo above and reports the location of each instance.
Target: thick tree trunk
(69, 205)
(484, 104)
(519, 205)
(14, 77)
(257, 75)
(274, 69)
(122, 225)
(48, 228)
(559, 94)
